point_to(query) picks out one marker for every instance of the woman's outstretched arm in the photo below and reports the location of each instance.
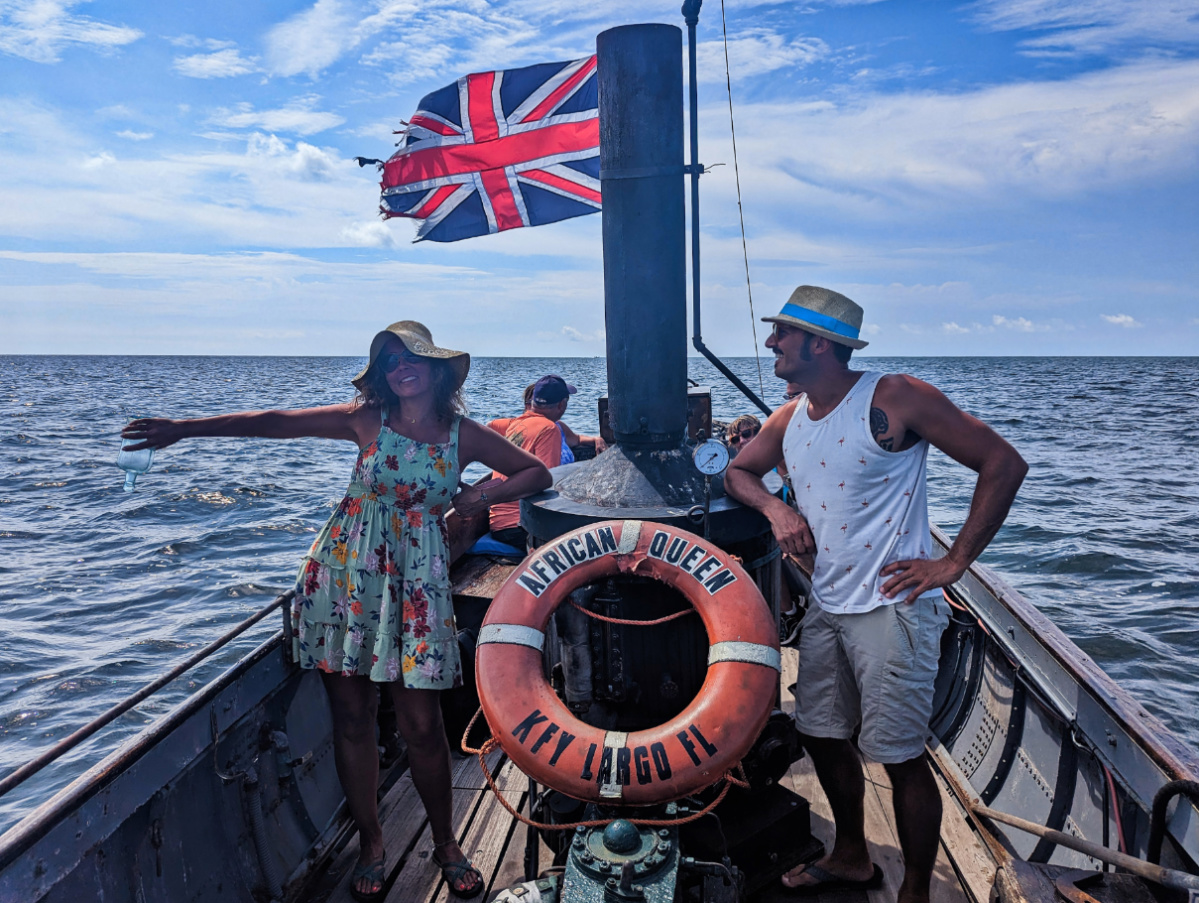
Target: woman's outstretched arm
(338, 421)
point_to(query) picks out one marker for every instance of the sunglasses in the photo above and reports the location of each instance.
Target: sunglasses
(780, 331)
(388, 362)
(743, 435)
(791, 396)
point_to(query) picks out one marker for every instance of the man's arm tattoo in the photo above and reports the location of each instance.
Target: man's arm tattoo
(878, 428)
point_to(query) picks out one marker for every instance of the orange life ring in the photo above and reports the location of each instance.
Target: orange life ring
(675, 759)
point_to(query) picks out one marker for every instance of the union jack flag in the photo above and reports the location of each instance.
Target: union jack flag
(499, 150)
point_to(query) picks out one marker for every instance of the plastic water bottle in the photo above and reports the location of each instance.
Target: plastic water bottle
(134, 463)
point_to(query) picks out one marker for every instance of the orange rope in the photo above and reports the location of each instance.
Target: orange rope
(491, 744)
(599, 617)
(952, 602)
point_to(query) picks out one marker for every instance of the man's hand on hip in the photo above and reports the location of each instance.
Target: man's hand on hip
(917, 576)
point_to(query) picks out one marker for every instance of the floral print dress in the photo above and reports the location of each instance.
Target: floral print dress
(373, 594)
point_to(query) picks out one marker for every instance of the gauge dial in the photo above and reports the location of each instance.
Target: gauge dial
(710, 457)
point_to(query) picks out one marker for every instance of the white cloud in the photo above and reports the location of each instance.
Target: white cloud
(879, 154)
(954, 328)
(1088, 27)
(135, 136)
(130, 301)
(116, 111)
(424, 61)
(1125, 320)
(99, 161)
(576, 335)
(756, 51)
(193, 42)
(298, 117)
(370, 235)
(311, 40)
(306, 162)
(1019, 324)
(484, 34)
(39, 30)
(222, 64)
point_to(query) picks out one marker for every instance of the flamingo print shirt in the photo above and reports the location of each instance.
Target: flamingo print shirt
(866, 507)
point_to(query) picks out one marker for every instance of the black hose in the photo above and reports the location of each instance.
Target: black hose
(1157, 820)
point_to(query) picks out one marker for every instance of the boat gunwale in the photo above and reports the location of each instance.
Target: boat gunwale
(1149, 738)
(36, 825)
(1174, 756)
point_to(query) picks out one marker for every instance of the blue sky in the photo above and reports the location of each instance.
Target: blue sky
(991, 177)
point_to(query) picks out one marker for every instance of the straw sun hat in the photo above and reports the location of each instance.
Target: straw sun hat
(417, 339)
(822, 312)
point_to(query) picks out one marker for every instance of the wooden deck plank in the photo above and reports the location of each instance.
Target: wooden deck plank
(419, 877)
(481, 576)
(945, 887)
(404, 824)
(406, 831)
(974, 864)
(402, 816)
(511, 869)
(509, 777)
(881, 835)
(880, 822)
(487, 839)
(467, 775)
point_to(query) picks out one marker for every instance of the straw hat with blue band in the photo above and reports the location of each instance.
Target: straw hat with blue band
(822, 312)
(417, 339)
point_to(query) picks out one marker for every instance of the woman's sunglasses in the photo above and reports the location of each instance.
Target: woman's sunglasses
(743, 435)
(388, 362)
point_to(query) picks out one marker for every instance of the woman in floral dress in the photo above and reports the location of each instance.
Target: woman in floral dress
(372, 600)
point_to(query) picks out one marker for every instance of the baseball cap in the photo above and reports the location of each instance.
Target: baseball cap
(551, 389)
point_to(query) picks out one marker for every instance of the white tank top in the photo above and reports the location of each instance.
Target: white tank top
(867, 507)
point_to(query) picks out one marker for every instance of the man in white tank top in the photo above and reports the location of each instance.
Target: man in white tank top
(855, 444)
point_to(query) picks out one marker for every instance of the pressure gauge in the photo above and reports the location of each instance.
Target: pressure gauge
(710, 457)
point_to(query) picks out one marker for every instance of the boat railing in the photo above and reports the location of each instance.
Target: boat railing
(32, 767)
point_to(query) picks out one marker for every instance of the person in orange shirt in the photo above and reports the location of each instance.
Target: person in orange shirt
(536, 431)
(501, 424)
(570, 439)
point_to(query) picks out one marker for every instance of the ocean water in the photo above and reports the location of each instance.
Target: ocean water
(104, 590)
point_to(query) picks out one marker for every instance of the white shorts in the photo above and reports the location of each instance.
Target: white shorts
(876, 669)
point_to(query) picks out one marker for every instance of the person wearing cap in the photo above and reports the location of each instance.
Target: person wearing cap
(538, 431)
(856, 444)
(570, 439)
(372, 602)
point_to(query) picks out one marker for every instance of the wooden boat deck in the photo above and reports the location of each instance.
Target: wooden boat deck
(495, 840)
(956, 835)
